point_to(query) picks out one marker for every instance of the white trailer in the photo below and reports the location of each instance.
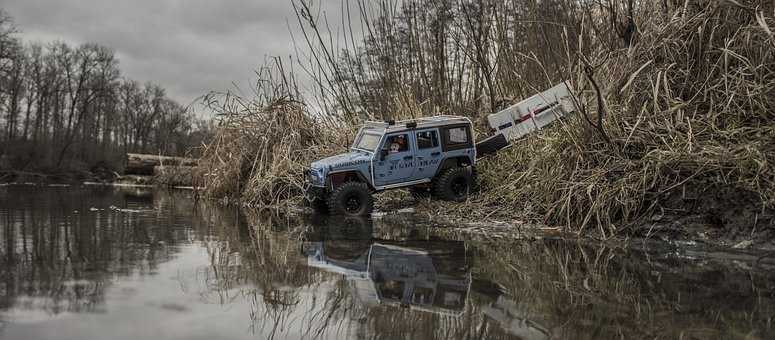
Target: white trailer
(527, 116)
(533, 113)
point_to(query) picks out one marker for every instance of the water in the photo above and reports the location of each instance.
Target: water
(105, 263)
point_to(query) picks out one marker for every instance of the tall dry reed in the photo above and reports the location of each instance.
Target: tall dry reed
(690, 104)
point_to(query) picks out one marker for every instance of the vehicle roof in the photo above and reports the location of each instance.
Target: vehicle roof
(422, 123)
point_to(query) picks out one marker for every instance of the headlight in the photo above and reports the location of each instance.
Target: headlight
(316, 177)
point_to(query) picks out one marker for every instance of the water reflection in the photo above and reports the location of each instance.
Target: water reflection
(421, 282)
(60, 250)
(85, 263)
(431, 276)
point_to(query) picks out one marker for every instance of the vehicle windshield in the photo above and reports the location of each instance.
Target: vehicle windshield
(367, 141)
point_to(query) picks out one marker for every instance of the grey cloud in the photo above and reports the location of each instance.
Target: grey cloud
(187, 46)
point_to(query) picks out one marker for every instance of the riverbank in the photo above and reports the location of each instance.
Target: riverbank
(707, 221)
(56, 177)
(710, 220)
(161, 176)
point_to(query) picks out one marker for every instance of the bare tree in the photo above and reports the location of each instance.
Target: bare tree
(62, 106)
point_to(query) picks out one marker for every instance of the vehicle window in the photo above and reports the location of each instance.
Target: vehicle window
(368, 141)
(422, 296)
(457, 136)
(397, 143)
(427, 139)
(392, 289)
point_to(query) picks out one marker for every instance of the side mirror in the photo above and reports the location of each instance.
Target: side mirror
(382, 154)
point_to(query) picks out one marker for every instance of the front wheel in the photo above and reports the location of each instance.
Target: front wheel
(351, 199)
(454, 184)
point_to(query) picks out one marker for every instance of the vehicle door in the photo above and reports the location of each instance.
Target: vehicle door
(428, 155)
(395, 159)
(457, 140)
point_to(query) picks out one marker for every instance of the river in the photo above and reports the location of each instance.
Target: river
(127, 263)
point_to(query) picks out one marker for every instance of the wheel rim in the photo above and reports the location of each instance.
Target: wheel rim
(352, 204)
(459, 186)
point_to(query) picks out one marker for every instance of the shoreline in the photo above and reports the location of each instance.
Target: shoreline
(666, 230)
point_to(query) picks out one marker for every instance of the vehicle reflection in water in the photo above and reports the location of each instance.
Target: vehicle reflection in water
(431, 276)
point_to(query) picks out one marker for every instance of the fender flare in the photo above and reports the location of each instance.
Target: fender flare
(450, 162)
(335, 179)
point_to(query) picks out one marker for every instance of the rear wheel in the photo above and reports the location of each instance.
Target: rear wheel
(351, 199)
(454, 184)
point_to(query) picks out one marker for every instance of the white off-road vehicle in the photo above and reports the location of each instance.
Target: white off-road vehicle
(435, 155)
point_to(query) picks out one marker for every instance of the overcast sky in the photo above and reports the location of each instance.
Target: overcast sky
(189, 47)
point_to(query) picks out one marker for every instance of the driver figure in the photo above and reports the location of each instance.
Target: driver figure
(398, 144)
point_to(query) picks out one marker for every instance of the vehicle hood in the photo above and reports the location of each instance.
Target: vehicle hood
(347, 160)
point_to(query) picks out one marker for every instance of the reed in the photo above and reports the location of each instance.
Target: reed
(689, 105)
(263, 143)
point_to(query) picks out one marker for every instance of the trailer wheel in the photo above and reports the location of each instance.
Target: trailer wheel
(351, 199)
(454, 184)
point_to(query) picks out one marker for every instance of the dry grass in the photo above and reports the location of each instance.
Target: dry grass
(690, 104)
(263, 144)
(261, 149)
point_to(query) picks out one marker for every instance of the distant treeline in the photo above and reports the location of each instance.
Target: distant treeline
(68, 108)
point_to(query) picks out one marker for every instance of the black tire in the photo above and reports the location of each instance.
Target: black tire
(351, 199)
(454, 184)
(352, 228)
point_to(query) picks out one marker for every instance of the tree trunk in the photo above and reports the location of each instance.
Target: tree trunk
(143, 164)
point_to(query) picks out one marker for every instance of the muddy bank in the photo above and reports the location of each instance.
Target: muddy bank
(711, 214)
(707, 216)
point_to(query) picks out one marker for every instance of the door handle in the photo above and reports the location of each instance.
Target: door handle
(408, 157)
(435, 153)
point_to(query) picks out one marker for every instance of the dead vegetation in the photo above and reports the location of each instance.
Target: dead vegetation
(263, 144)
(673, 96)
(689, 105)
